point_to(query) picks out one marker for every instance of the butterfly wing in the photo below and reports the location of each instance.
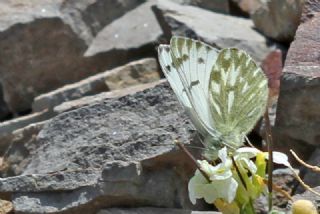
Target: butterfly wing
(175, 77)
(238, 95)
(193, 61)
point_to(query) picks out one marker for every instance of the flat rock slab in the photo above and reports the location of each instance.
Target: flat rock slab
(219, 30)
(152, 210)
(136, 72)
(113, 152)
(298, 116)
(43, 43)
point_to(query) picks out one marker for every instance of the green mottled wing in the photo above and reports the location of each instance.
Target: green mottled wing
(238, 95)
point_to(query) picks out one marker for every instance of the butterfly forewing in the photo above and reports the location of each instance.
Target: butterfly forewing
(194, 61)
(238, 94)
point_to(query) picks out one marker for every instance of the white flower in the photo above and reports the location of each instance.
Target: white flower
(222, 185)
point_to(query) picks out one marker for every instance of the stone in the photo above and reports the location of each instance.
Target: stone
(151, 210)
(43, 43)
(247, 6)
(137, 72)
(272, 66)
(5, 207)
(22, 142)
(89, 100)
(8, 127)
(298, 119)
(115, 151)
(144, 33)
(311, 177)
(221, 6)
(96, 14)
(307, 195)
(223, 31)
(278, 19)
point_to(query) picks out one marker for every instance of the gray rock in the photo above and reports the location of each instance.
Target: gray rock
(96, 14)
(298, 119)
(127, 146)
(221, 31)
(221, 6)
(307, 195)
(151, 210)
(43, 42)
(310, 177)
(137, 72)
(144, 32)
(21, 144)
(89, 100)
(278, 19)
(8, 127)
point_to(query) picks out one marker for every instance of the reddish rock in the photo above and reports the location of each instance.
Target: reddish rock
(272, 66)
(298, 115)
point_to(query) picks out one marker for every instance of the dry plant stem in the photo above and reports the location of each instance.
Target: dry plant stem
(183, 148)
(280, 190)
(313, 168)
(270, 159)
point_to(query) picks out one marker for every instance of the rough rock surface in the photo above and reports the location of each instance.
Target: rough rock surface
(298, 117)
(116, 151)
(43, 46)
(223, 31)
(221, 6)
(22, 142)
(151, 210)
(307, 195)
(278, 19)
(137, 72)
(8, 127)
(142, 25)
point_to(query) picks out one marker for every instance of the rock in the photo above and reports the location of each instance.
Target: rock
(89, 100)
(310, 177)
(247, 6)
(113, 152)
(307, 195)
(5, 207)
(4, 111)
(96, 14)
(43, 42)
(310, 8)
(8, 127)
(298, 119)
(144, 33)
(272, 66)
(221, 6)
(22, 143)
(151, 210)
(137, 72)
(278, 19)
(223, 31)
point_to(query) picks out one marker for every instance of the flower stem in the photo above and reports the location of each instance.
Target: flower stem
(270, 160)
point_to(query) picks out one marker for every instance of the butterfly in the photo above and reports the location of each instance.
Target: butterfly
(224, 92)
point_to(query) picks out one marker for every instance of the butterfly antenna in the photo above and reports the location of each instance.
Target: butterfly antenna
(270, 160)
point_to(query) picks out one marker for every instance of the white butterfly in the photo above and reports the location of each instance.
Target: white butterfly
(225, 93)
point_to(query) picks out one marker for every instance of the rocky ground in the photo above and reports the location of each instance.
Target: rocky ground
(88, 121)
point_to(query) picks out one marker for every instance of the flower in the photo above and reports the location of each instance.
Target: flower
(225, 183)
(222, 185)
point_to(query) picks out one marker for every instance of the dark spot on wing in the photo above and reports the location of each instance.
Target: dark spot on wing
(200, 60)
(185, 57)
(168, 67)
(194, 83)
(167, 48)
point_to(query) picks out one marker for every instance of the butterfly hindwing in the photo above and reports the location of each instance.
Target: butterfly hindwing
(238, 94)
